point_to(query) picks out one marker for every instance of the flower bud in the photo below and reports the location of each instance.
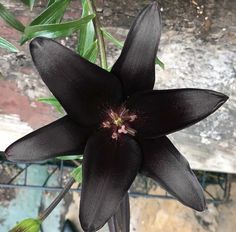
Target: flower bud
(27, 225)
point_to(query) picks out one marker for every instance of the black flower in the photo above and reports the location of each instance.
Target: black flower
(117, 121)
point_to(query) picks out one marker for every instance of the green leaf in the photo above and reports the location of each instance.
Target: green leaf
(53, 14)
(86, 33)
(77, 174)
(92, 52)
(50, 2)
(112, 39)
(54, 30)
(7, 45)
(53, 102)
(160, 63)
(10, 19)
(29, 3)
(70, 157)
(109, 68)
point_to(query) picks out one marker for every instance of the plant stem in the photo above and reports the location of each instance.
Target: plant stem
(56, 201)
(98, 32)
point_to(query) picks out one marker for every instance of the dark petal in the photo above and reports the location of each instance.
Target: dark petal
(120, 221)
(62, 137)
(109, 168)
(162, 112)
(136, 64)
(83, 88)
(163, 162)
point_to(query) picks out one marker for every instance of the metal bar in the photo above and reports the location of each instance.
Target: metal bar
(221, 179)
(14, 177)
(61, 173)
(48, 177)
(25, 176)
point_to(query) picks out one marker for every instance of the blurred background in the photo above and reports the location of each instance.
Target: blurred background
(198, 48)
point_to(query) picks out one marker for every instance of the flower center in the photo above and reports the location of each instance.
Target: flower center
(119, 122)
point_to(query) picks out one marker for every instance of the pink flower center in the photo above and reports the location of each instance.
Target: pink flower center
(119, 122)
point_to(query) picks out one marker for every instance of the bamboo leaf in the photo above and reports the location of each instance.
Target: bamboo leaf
(77, 174)
(53, 14)
(54, 30)
(160, 63)
(92, 52)
(70, 157)
(86, 33)
(53, 102)
(112, 39)
(50, 2)
(7, 45)
(10, 19)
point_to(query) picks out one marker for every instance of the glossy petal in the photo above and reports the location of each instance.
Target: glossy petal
(82, 88)
(109, 169)
(62, 137)
(136, 64)
(162, 112)
(120, 221)
(163, 162)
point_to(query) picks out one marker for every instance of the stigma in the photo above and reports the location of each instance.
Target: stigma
(119, 122)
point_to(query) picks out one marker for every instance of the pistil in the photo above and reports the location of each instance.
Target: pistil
(119, 122)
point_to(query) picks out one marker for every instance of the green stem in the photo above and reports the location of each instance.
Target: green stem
(98, 32)
(56, 201)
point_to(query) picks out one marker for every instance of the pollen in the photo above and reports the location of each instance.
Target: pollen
(119, 122)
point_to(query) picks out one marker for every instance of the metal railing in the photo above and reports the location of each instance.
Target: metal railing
(57, 172)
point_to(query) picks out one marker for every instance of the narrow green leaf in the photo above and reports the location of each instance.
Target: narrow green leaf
(77, 174)
(109, 68)
(53, 102)
(92, 52)
(7, 45)
(54, 30)
(29, 3)
(70, 157)
(160, 63)
(112, 39)
(10, 19)
(86, 33)
(50, 2)
(53, 14)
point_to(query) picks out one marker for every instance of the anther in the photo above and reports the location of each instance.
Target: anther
(106, 124)
(119, 122)
(114, 135)
(123, 130)
(132, 117)
(131, 131)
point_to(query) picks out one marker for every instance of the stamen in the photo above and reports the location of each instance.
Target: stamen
(119, 122)
(124, 111)
(132, 117)
(131, 131)
(106, 124)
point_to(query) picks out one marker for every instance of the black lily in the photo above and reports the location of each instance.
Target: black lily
(117, 121)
